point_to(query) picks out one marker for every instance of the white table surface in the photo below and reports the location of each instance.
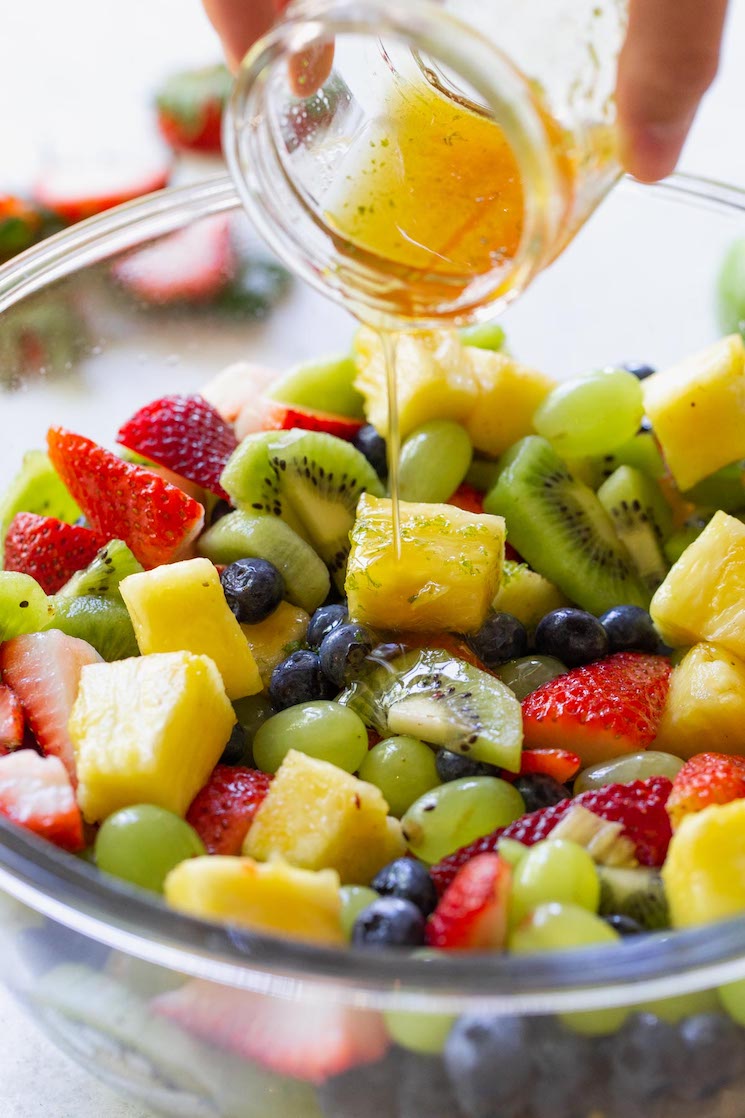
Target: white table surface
(75, 73)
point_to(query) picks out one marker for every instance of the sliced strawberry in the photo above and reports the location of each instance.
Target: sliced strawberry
(223, 810)
(193, 265)
(468, 498)
(49, 550)
(12, 724)
(283, 417)
(600, 710)
(638, 806)
(558, 763)
(189, 108)
(21, 225)
(472, 913)
(75, 189)
(36, 793)
(309, 1041)
(236, 386)
(123, 501)
(708, 778)
(44, 671)
(186, 435)
(510, 553)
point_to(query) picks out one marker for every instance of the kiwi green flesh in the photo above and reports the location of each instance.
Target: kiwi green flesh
(323, 385)
(641, 520)
(637, 893)
(102, 622)
(445, 702)
(36, 488)
(102, 576)
(24, 607)
(641, 452)
(560, 528)
(252, 483)
(243, 535)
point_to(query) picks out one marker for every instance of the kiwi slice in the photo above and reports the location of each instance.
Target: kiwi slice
(637, 893)
(36, 488)
(443, 701)
(101, 578)
(24, 607)
(641, 452)
(559, 526)
(324, 385)
(244, 535)
(642, 519)
(312, 481)
(102, 622)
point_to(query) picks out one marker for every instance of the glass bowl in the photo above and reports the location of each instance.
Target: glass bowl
(200, 1020)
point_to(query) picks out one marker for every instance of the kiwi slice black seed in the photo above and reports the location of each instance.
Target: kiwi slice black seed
(102, 576)
(642, 519)
(637, 893)
(103, 622)
(559, 526)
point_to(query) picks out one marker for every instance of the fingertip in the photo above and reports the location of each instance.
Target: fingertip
(650, 152)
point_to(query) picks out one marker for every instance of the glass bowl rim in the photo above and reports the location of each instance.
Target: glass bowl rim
(75, 894)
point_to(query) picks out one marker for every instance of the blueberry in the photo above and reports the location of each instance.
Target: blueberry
(389, 922)
(424, 1090)
(221, 509)
(454, 766)
(298, 679)
(541, 790)
(488, 1060)
(571, 635)
(344, 650)
(645, 1057)
(639, 369)
(502, 637)
(372, 446)
(630, 627)
(235, 752)
(323, 621)
(253, 589)
(713, 1055)
(624, 925)
(410, 881)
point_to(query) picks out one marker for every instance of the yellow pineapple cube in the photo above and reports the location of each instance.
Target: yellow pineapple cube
(273, 897)
(526, 594)
(182, 607)
(317, 816)
(705, 709)
(148, 730)
(268, 640)
(448, 573)
(508, 395)
(697, 409)
(703, 596)
(434, 378)
(704, 872)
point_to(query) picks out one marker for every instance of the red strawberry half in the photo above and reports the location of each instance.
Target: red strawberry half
(638, 806)
(36, 793)
(708, 778)
(309, 1041)
(186, 435)
(283, 417)
(75, 189)
(223, 810)
(126, 502)
(49, 550)
(44, 671)
(600, 710)
(468, 498)
(193, 265)
(12, 723)
(472, 913)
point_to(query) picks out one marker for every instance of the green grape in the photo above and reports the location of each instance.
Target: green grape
(554, 870)
(732, 997)
(252, 712)
(527, 674)
(677, 1008)
(591, 415)
(560, 927)
(596, 1022)
(142, 844)
(512, 851)
(419, 1032)
(622, 770)
(403, 768)
(722, 490)
(353, 899)
(434, 460)
(321, 729)
(456, 813)
(680, 541)
(731, 289)
(485, 335)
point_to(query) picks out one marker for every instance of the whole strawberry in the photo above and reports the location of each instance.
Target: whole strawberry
(639, 807)
(223, 810)
(190, 105)
(49, 550)
(708, 778)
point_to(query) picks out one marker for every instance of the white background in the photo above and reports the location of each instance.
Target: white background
(75, 76)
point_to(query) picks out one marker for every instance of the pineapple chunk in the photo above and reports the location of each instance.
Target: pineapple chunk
(704, 872)
(447, 575)
(269, 639)
(317, 816)
(274, 897)
(148, 730)
(181, 607)
(526, 594)
(697, 409)
(508, 396)
(703, 596)
(705, 708)
(434, 378)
